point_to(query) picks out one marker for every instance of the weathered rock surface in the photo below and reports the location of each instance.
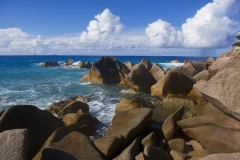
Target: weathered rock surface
(146, 63)
(55, 108)
(107, 70)
(69, 62)
(216, 132)
(39, 123)
(178, 155)
(129, 65)
(219, 156)
(157, 71)
(170, 128)
(139, 79)
(73, 107)
(173, 82)
(204, 109)
(218, 64)
(150, 139)
(108, 146)
(222, 90)
(74, 145)
(153, 153)
(205, 75)
(177, 144)
(80, 118)
(14, 144)
(195, 92)
(176, 101)
(56, 136)
(132, 103)
(210, 60)
(49, 64)
(129, 124)
(131, 151)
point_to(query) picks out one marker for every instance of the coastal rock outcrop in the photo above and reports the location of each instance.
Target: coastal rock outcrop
(146, 63)
(39, 123)
(139, 79)
(49, 64)
(157, 71)
(69, 62)
(173, 82)
(107, 70)
(222, 90)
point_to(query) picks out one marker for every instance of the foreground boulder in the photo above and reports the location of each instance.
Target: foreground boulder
(222, 90)
(40, 124)
(107, 70)
(14, 144)
(173, 82)
(217, 132)
(139, 79)
(73, 146)
(49, 64)
(129, 124)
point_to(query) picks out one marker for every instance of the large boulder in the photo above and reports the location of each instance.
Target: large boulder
(132, 103)
(205, 75)
(74, 145)
(56, 107)
(157, 71)
(217, 132)
(170, 128)
(139, 79)
(39, 123)
(146, 63)
(14, 144)
(219, 156)
(69, 62)
(219, 63)
(131, 151)
(73, 107)
(173, 82)
(129, 124)
(49, 64)
(107, 70)
(57, 135)
(129, 65)
(222, 90)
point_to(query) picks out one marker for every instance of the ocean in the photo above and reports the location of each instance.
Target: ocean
(24, 81)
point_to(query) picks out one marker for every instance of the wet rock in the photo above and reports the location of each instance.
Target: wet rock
(222, 90)
(69, 62)
(73, 107)
(49, 64)
(107, 70)
(55, 108)
(132, 103)
(80, 118)
(129, 124)
(74, 145)
(157, 71)
(108, 146)
(39, 123)
(57, 135)
(173, 82)
(14, 144)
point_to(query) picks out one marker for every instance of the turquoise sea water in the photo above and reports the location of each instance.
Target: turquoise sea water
(24, 81)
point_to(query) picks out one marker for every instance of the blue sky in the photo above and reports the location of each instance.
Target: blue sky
(118, 27)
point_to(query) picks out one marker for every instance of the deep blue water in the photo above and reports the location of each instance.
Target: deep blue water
(24, 81)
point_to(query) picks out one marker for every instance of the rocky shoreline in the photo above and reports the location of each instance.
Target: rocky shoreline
(196, 115)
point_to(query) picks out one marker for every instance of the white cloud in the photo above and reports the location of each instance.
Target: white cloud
(209, 27)
(105, 25)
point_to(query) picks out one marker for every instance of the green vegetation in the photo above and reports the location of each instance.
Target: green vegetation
(237, 43)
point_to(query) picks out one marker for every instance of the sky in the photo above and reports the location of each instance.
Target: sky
(118, 27)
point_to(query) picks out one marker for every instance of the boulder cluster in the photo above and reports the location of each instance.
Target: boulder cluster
(67, 63)
(196, 116)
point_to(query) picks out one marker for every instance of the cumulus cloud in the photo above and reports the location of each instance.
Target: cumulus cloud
(210, 27)
(14, 40)
(105, 25)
